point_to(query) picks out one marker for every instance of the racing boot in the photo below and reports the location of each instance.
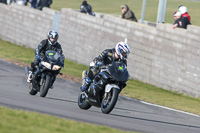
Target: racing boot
(30, 76)
(86, 85)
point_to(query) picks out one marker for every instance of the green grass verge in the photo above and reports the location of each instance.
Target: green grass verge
(17, 121)
(113, 7)
(135, 89)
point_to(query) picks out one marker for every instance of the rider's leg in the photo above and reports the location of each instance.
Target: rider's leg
(88, 80)
(33, 67)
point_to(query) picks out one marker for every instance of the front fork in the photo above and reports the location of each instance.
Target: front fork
(53, 78)
(108, 88)
(42, 78)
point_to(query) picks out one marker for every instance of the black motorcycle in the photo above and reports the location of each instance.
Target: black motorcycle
(105, 87)
(45, 75)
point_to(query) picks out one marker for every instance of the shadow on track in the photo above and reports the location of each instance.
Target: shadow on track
(64, 100)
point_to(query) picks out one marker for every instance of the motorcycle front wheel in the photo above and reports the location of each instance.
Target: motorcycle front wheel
(45, 86)
(32, 91)
(109, 100)
(82, 102)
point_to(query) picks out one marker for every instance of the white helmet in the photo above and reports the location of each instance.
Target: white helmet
(122, 49)
(183, 9)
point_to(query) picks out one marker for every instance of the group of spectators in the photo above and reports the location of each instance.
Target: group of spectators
(37, 4)
(181, 17)
(126, 12)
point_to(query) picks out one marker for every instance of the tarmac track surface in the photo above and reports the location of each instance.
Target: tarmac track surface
(61, 101)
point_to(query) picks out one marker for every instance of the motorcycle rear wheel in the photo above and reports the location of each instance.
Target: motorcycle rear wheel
(45, 86)
(82, 103)
(109, 100)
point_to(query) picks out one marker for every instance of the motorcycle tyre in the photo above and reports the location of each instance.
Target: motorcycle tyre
(44, 91)
(32, 91)
(112, 102)
(83, 105)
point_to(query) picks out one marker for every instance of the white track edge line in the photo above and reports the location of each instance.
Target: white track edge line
(161, 106)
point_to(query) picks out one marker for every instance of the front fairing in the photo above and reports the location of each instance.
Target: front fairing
(52, 59)
(118, 71)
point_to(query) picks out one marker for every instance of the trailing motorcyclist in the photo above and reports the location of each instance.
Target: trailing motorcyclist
(47, 44)
(108, 56)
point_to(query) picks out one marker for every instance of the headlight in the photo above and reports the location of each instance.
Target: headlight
(56, 67)
(46, 64)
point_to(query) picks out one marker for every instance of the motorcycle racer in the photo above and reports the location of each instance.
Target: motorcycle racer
(47, 44)
(119, 53)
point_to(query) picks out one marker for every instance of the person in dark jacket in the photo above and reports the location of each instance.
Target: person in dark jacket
(181, 21)
(3, 1)
(119, 53)
(43, 3)
(127, 13)
(47, 44)
(86, 8)
(33, 3)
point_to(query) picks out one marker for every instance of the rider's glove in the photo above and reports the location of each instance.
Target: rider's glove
(99, 63)
(37, 57)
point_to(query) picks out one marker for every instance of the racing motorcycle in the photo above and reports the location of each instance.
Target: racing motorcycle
(105, 87)
(45, 74)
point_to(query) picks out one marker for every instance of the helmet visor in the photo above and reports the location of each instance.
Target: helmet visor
(123, 53)
(53, 40)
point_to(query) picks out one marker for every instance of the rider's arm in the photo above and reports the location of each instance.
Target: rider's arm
(59, 49)
(41, 48)
(101, 57)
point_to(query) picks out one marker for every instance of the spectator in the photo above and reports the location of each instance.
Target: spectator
(174, 16)
(127, 13)
(3, 1)
(184, 12)
(177, 16)
(86, 8)
(33, 3)
(9, 1)
(43, 3)
(21, 2)
(181, 21)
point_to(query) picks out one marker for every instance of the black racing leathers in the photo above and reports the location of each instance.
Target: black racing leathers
(106, 57)
(42, 48)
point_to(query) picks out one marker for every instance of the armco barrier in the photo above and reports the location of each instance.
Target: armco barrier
(160, 56)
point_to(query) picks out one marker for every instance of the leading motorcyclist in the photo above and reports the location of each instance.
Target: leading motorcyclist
(47, 44)
(119, 53)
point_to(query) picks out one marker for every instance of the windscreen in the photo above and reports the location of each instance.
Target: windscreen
(118, 71)
(52, 55)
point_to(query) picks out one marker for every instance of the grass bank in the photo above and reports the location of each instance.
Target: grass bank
(16, 121)
(113, 7)
(135, 89)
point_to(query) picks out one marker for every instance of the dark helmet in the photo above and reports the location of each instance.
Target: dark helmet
(84, 2)
(52, 35)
